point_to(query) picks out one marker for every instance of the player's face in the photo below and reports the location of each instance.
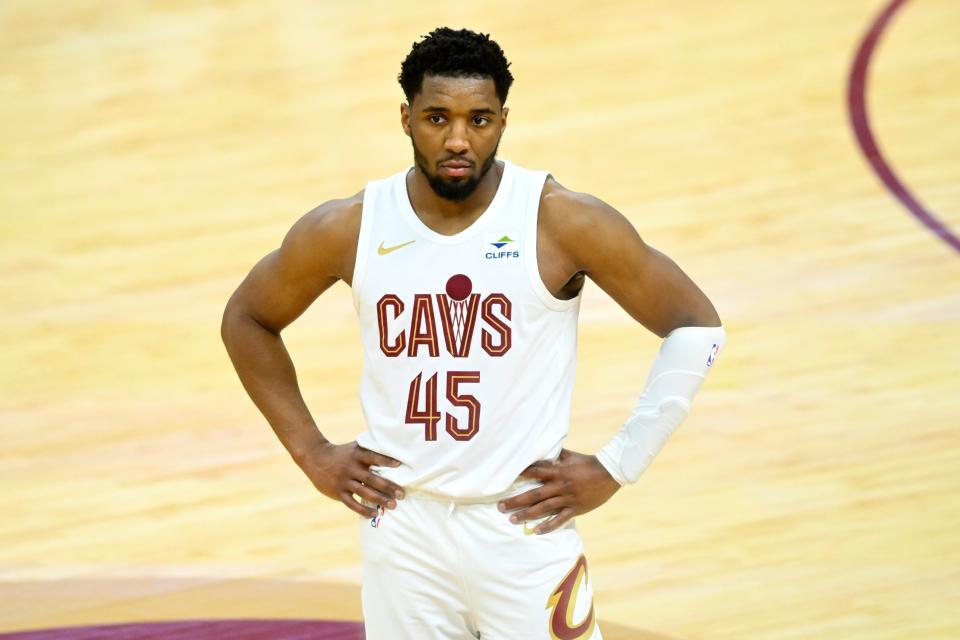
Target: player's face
(455, 125)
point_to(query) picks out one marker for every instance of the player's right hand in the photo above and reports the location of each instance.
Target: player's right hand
(342, 471)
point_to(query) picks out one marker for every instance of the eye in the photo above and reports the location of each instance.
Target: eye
(480, 121)
(435, 118)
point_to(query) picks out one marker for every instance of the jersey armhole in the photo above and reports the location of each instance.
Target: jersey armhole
(363, 243)
(532, 261)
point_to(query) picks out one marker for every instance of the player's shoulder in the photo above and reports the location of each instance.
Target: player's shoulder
(565, 213)
(334, 219)
(325, 238)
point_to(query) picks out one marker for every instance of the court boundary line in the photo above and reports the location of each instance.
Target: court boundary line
(860, 122)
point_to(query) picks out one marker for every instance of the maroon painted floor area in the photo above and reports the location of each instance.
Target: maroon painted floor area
(203, 630)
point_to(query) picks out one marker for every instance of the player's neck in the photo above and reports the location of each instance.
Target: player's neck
(446, 216)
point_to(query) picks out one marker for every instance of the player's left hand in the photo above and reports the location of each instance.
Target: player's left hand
(573, 484)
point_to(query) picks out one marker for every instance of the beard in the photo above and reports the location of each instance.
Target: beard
(452, 191)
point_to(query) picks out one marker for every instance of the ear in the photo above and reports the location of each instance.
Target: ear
(405, 117)
(503, 119)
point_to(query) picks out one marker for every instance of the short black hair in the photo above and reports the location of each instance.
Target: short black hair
(461, 54)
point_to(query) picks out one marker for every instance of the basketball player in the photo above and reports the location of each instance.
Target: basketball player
(466, 274)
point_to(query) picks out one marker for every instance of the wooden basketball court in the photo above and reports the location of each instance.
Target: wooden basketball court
(151, 152)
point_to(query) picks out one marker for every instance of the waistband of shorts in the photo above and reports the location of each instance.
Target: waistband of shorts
(514, 489)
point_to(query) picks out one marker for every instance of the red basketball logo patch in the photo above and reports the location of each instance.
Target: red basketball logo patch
(459, 287)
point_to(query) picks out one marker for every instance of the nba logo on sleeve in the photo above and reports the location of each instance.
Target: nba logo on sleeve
(501, 247)
(714, 352)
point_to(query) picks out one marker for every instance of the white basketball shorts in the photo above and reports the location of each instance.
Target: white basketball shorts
(441, 570)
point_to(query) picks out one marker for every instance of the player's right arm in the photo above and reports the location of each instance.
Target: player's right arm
(317, 251)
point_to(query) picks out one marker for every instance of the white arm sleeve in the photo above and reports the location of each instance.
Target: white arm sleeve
(685, 358)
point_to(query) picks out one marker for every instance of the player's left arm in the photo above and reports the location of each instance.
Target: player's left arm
(580, 235)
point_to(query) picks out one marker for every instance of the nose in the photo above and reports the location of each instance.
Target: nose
(456, 141)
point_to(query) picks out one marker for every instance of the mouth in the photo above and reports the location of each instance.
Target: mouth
(456, 168)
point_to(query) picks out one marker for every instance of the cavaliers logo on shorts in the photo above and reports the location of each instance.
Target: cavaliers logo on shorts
(563, 602)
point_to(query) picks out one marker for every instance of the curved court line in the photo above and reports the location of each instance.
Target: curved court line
(859, 120)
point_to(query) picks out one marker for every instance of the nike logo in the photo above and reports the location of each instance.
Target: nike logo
(382, 250)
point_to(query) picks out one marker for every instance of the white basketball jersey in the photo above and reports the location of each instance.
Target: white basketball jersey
(469, 359)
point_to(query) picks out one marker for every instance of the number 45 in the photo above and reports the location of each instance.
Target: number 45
(429, 416)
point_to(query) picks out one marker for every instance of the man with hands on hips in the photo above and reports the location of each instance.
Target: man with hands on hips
(466, 273)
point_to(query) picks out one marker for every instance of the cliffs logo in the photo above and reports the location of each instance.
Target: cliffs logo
(504, 248)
